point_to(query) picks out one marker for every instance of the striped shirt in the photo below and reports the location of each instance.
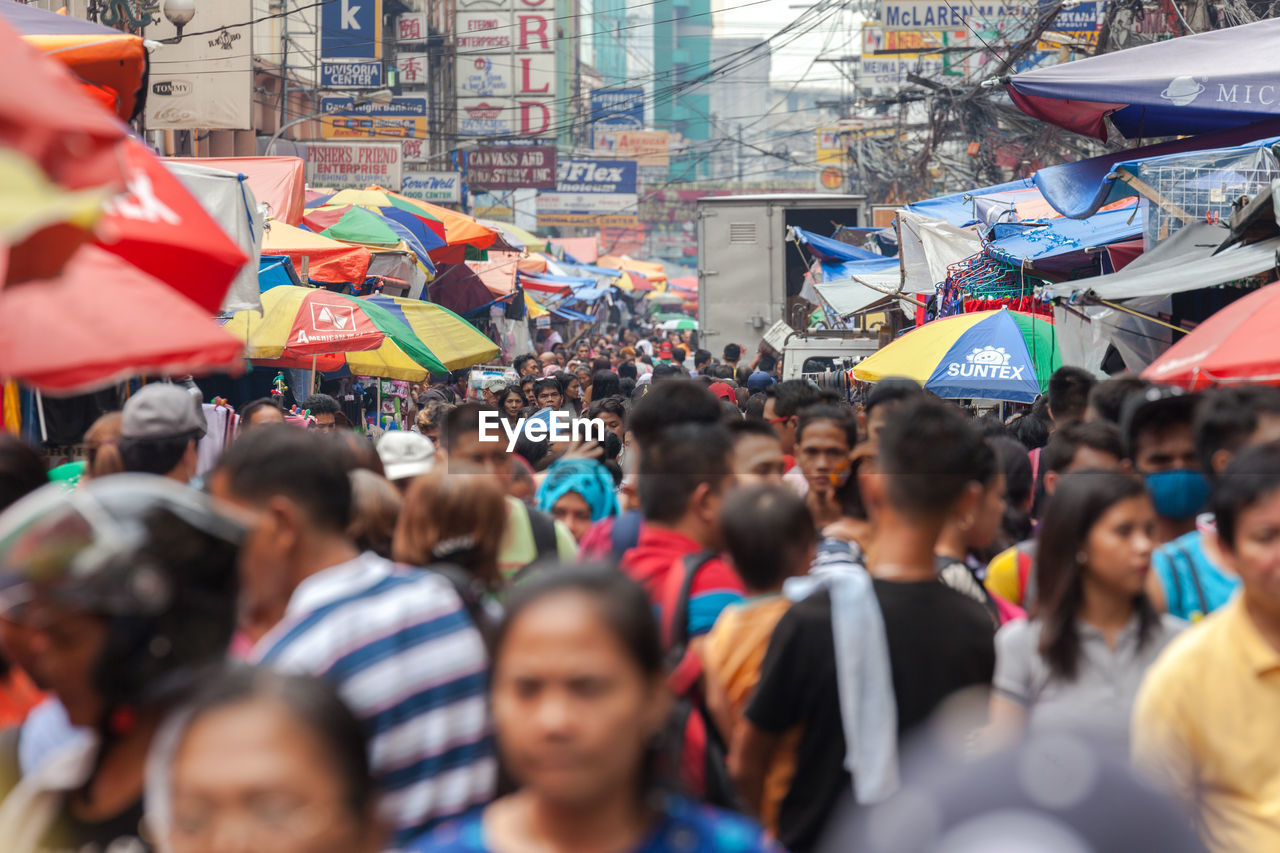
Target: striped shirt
(399, 647)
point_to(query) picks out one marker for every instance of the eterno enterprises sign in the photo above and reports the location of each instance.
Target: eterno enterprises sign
(512, 167)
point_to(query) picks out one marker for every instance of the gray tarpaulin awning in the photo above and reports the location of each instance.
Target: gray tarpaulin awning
(1185, 261)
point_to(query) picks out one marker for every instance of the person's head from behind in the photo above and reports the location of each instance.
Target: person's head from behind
(102, 446)
(125, 590)
(375, 508)
(627, 370)
(825, 436)
(578, 493)
(160, 426)
(928, 455)
(1106, 398)
(701, 360)
(465, 453)
(757, 454)
(767, 363)
(978, 514)
(732, 352)
(22, 471)
(679, 401)
(265, 760)
(294, 483)
(325, 410)
(683, 476)
(1246, 506)
(1069, 389)
(782, 408)
(1228, 419)
(1031, 430)
(451, 519)
(1160, 440)
(885, 398)
(549, 393)
(1092, 445)
(1019, 489)
(261, 412)
(578, 688)
(769, 533)
(1095, 546)
(605, 383)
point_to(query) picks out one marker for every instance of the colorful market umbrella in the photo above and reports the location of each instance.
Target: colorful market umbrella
(451, 339)
(684, 324)
(990, 355)
(110, 65)
(388, 204)
(664, 298)
(359, 225)
(300, 326)
(103, 320)
(328, 260)
(1237, 344)
(461, 231)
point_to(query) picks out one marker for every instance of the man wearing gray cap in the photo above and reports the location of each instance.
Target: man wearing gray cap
(161, 425)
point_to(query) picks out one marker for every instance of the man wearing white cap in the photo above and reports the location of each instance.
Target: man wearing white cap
(160, 427)
(405, 455)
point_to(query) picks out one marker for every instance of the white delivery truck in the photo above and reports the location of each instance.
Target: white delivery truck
(749, 275)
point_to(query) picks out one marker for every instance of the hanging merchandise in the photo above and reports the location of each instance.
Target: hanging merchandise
(395, 396)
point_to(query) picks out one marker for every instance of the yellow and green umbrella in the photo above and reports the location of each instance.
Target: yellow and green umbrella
(316, 329)
(451, 339)
(990, 355)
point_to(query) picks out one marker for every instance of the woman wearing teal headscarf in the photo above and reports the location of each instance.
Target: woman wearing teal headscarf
(578, 492)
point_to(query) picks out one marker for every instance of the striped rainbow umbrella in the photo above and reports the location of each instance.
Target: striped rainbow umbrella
(988, 355)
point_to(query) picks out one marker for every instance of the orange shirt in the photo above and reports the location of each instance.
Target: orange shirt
(732, 655)
(18, 695)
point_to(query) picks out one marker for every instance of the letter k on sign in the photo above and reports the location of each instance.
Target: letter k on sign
(349, 13)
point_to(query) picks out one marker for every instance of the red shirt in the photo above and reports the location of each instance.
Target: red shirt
(657, 563)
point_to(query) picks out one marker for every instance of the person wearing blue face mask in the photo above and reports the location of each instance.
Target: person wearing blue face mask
(1188, 579)
(1160, 441)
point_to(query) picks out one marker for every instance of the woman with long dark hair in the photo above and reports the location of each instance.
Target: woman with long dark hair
(511, 403)
(579, 698)
(1078, 662)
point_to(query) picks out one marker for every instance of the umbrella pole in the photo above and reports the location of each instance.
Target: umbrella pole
(311, 389)
(44, 430)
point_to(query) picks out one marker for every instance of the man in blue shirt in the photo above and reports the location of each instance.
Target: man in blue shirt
(1187, 578)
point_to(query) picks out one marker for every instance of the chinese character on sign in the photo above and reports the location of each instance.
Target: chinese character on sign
(412, 27)
(412, 68)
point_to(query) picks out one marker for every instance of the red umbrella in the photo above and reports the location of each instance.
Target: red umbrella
(1237, 344)
(103, 320)
(159, 227)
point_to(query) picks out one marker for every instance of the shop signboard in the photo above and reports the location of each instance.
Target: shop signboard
(511, 167)
(351, 44)
(989, 15)
(403, 118)
(205, 80)
(617, 109)
(435, 187)
(646, 147)
(354, 164)
(411, 28)
(506, 68)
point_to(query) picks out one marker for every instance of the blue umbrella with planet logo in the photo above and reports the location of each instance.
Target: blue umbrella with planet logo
(988, 355)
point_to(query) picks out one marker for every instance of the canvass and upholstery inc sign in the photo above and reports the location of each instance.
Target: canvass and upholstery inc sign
(512, 167)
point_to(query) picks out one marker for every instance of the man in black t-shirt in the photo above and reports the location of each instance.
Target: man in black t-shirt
(939, 640)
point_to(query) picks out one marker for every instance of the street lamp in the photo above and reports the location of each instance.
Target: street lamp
(380, 96)
(179, 13)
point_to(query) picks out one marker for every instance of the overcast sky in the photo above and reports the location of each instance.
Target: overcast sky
(751, 18)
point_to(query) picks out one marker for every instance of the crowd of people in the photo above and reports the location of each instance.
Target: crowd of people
(756, 615)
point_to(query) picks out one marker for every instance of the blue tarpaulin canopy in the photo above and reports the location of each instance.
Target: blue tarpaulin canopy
(852, 269)
(1056, 239)
(275, 270)
(1193, 84)
(828, 248)
(961, 209)
(1079, 189)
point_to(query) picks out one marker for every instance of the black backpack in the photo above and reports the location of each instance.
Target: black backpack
(693, 750)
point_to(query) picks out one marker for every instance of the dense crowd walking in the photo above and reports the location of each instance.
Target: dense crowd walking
(745, 614)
